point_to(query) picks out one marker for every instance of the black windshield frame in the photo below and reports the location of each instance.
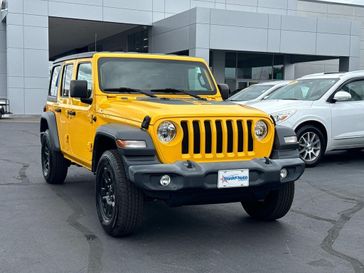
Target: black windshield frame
(199, 64)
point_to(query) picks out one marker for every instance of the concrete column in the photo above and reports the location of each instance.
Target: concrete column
(289, 69)
(200, 52)
(344, 64)
(354, 63)
(3, 84)
(27, 55)
(218, 65)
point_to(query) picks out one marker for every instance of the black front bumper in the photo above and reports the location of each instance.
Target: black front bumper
(262, 172)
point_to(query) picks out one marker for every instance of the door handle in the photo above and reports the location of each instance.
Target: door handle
(58, 110)
(71, 113)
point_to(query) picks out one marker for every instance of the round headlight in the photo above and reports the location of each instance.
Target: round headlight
(166, 131)
(261, 130)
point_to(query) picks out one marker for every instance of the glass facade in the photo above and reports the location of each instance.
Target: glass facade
(244, 68)
(138, 41)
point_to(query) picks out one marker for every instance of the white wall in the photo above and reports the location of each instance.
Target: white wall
(337, 13)
(2, 60)
(27, 55)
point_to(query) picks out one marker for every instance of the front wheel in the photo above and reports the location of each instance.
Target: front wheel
(119, 203)
(312, 145)
(276, 204)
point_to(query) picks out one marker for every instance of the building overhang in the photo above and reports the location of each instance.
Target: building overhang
(216, 29)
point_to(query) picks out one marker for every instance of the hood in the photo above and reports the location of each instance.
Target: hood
(137, 109)
(274, 106)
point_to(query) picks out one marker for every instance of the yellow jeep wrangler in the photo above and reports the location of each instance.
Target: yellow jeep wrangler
(156, 127)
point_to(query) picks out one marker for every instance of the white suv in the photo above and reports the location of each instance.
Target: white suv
(326, 110)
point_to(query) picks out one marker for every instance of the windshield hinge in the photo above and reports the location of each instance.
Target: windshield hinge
(146, 122)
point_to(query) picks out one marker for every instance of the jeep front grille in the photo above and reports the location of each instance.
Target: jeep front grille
(217, 138)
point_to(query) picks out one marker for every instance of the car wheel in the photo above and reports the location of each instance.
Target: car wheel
(119, 203)
(276, 204)
(312, 145)
(54, 165)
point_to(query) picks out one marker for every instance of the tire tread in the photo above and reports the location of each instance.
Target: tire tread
(129, 207)
(58, 164)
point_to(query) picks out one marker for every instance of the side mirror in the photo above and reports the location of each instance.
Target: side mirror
(342, 96)
(78, 89)
(224, 90)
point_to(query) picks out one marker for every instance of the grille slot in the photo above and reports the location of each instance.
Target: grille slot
(185, 137)
(216, 138)
(230, 136)
(196, 137)
(250, 137)
(208, 143)
(240, 136)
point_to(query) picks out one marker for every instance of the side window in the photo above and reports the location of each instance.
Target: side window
(67, 77)
(53, 88)
(356, 90)
(85, 73)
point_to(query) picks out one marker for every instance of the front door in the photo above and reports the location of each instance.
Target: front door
(348, 117)
(82, 128)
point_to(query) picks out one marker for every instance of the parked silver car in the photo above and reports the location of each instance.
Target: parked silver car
(257, 92)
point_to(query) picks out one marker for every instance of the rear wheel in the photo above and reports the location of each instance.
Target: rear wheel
(274, 206)
(312, 145)
(119, 203)
(54, 165)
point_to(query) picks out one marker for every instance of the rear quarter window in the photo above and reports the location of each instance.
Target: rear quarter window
(54, 83)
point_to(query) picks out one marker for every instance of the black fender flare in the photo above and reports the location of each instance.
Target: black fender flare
(50, 119)
(281, 149)
(113, 132)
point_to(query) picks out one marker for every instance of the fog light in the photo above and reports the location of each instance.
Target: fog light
(284, 173)
(165, 180)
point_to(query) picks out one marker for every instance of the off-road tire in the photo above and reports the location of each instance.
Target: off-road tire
(312, 129)
(127, 213)
(274, 206)
(57, 164)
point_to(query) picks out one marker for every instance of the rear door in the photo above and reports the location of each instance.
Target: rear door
(82, 128)
(348, 117)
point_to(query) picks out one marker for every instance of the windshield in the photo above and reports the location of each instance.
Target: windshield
(150, 74)
(305, 89)
(250, 93)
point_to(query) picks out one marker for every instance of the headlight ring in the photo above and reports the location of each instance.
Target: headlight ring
(167, 131)
(261, 129)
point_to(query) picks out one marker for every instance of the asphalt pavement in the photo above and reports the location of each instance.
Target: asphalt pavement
(45, 228)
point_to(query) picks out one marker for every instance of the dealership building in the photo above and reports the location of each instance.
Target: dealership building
(244, 41)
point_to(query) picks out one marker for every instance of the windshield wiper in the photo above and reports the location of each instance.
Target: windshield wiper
(167, 90)
(130, 90)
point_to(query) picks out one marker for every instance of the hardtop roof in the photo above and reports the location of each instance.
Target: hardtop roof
(92, 53)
